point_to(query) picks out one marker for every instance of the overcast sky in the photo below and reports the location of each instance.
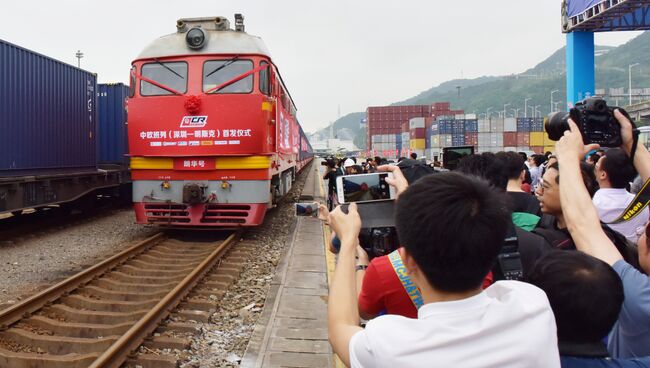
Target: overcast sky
(330, 53)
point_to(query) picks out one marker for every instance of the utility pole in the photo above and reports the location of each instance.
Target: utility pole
(79, 55)
(629, 72)
(552, 92)
(526, 106)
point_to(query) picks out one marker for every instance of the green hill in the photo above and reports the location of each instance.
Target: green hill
(479, 94)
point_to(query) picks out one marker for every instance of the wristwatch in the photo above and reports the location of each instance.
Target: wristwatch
(361, 267)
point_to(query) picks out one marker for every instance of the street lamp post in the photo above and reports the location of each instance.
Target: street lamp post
(505, 107)
(552, 92)
(536, 111)
(79, 55)
(629, 73)
(526, 106)
(515, 112)
(487, 113)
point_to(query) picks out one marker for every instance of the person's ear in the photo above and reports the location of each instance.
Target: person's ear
(410, 264)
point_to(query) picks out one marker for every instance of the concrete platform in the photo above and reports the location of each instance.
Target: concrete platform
(292, 331)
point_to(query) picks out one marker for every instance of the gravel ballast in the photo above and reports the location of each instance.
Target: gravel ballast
(223, 341)
(40, 260)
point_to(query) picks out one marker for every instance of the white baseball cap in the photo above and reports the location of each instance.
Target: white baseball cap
(348, 163)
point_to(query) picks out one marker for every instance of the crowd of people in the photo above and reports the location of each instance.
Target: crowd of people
(507, 261)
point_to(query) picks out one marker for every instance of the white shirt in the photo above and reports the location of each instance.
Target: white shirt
(610, 203)
(535, 176)
(508, 325)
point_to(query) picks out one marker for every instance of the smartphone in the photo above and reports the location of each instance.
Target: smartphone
(309, 209)
(364, 188)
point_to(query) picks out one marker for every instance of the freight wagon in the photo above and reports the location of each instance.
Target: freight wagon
(214, 139)
(49, 140)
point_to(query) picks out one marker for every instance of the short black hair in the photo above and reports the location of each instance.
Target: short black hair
(619, 167)
(539, 160)
(511, 164)
(588, 176)
(486, 167)
(414, 155)
(377, 159)
(585, 294)
(594, 157)
(523, 155)
(453, 226)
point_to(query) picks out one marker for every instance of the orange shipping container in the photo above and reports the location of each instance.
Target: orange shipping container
(510, 139)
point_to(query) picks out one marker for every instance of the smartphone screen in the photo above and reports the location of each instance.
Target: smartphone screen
(365, 187)
(307, 209)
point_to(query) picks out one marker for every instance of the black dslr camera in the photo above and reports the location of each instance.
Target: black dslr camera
(378, 236)
(378, 241)
(594, 118)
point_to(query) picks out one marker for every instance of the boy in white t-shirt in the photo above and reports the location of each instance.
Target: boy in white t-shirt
(451, 227)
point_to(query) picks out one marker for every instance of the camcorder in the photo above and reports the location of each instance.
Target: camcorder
(329, 161)
(378, 236)
(595, 120)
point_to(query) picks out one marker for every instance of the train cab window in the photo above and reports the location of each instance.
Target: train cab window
(265, 84)
(132, 82)
(172, 75)
(218, 72)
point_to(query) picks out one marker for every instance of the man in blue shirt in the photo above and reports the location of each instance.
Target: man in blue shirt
(631, 334)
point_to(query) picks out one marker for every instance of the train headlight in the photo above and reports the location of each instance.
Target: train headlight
(195, 38)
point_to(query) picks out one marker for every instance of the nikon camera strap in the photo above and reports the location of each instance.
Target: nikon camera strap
(638, 204)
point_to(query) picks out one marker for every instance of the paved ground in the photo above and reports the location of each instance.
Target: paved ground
(292, 331)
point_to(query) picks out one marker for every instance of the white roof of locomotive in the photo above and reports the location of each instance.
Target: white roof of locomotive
(224, 41)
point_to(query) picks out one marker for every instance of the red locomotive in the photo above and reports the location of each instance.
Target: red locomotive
(213, 135)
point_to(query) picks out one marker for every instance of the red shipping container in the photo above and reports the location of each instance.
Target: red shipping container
(418, 133)
(471, 139)
(510, 139)
(523, 139)
(538, 150)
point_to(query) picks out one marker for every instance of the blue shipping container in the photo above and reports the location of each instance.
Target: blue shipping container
(523, 125)
(398, 138)
(537, 125)
(471, 126)
(47, 113)
(434, 128)
(458, 140)
(458, 127)
(445, 126)
(112, 137)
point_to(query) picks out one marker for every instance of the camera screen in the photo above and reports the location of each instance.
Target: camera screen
(453, 155)
(357, 188)
(307, 209)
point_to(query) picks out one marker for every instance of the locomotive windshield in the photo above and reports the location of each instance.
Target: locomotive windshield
(226, 70)
(171, 74)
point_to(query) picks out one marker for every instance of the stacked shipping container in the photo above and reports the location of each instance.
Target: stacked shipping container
(488, 135)
(386, 123)
(395, 131)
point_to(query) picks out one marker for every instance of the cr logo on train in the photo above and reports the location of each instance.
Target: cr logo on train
(194, 121)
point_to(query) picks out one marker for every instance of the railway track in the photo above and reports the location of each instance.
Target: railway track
(99, 317)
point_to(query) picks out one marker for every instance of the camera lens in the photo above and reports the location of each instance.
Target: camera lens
(195, 38)
(556, 124)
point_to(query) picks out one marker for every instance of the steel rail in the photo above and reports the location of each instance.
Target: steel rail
(117, 353)
(19, 310)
